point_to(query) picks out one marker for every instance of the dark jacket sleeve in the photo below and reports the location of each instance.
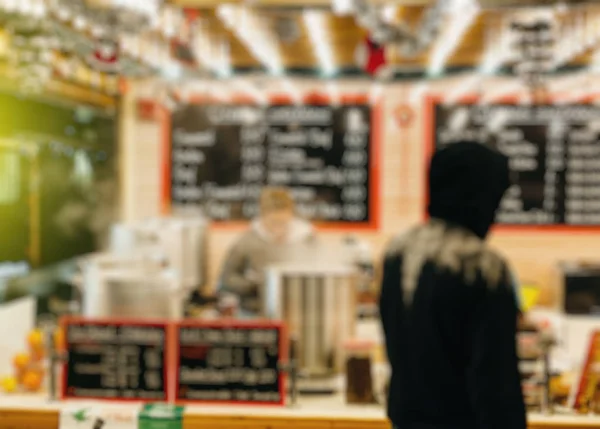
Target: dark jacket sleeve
(493, 372)
(391, 304)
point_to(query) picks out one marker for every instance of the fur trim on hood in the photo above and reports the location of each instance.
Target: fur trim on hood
(300, 230)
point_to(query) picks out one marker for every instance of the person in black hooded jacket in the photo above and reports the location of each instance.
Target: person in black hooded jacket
(447, 304)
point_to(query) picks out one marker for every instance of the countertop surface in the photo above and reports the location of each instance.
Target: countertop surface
(317, 407)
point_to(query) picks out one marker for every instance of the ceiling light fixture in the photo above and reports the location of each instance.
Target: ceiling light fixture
(493, 60)
(250, 29)
(215, 57)
(35, 9)
(133, 16)
(462, 14)
(150, 8)
(320, 38)
(497, 52)
(342, 7)
(389, 13)
(568, 45)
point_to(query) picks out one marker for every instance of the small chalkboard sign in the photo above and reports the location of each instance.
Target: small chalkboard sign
(231, 362)
(114, 360)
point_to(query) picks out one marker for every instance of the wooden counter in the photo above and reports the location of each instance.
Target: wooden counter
(32, 412)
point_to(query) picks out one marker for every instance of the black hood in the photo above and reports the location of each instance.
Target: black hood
(466, 183)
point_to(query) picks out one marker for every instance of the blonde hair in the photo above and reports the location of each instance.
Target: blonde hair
(275, 199)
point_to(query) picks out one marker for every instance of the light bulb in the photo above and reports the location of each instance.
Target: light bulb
(25, 7)
(46, 57)
(79, 22)
(63, 14)
(38, 9)
(11, 6)
(97, 31)
(343, 7)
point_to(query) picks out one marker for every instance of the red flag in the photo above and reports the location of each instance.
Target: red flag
(107, 51)
(105, 56)
(371, 56)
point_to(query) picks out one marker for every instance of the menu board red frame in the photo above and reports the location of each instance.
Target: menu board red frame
(279, 99)
(429, 135)
(236, 324)
(65, 322)
(585, 377)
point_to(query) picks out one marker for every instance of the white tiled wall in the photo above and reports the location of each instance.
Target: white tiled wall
(140, 162)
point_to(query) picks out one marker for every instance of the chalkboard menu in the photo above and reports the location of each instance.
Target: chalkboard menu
(110, 360)
(230, 363)
(223, 155)
(554, 153)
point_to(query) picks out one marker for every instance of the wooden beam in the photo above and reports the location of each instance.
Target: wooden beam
(80, 94)
(207, 4)
(62, 90)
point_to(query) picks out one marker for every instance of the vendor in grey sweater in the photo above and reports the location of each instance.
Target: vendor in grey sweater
(275, 229)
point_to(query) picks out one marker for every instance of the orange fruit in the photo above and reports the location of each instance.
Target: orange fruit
(59, 339)
(35, 339)
(38, 355)
(21, 361)
(38, 369)
(32, 381)
(9, 384)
